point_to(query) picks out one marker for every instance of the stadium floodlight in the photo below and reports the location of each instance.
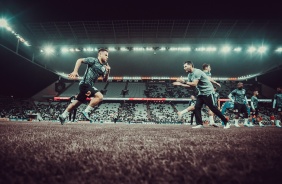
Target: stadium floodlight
(184, 49)
(173, 48)
(111, 49)
(71, 50)
(279, 49)
(77, 50)
(200, 49)
(149, 48)
(225, 49)
(26, 43)
(89, 49)
(3, 23)
(251, 49)
(123, 49)
(162, 48)
(49, 50)
(211, 49)
(9, 28)
(237, 49)
(64, 50)
(262, 49)
(138, 48)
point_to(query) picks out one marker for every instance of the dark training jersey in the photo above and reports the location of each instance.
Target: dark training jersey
(254, 99)
(94, 70)
(278, 98)
(239, 96)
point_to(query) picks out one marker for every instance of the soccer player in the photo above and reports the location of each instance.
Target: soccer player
(199, 79)
(277, 104)
(191, 107)
(73, 112)
(96, 67)
(207, 70)
(238, 96)
(254, 109)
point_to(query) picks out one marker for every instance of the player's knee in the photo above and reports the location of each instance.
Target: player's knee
(100, 97)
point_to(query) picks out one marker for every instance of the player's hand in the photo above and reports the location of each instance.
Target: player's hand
(180, 80)
(218, 84)
(73, 75)
(177, 83)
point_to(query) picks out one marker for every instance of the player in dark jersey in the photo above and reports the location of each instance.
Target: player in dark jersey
(207, 71)
(238, 96)
(96, 67)
(199, 79)
(254, 110)
(73, 112)
(191, 107)
(277, 105)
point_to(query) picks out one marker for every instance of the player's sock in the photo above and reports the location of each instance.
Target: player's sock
(65, 114)
(246, 122)
(211, 119)
(236, 122)
(88, 109)
(182, 112)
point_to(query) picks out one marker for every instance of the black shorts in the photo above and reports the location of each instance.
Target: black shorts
(240, 108)
(255, 111)
(85, 91)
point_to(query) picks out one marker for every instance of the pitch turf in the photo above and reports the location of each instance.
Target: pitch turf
(34, 152)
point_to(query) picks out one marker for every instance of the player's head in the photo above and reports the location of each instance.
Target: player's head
(214, 88)
(240, 85)
(103, 54)
(206, 67)
(279, 89)
(188, 66)
(255, 92)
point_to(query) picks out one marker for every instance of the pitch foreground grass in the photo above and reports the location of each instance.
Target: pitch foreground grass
(121, 153)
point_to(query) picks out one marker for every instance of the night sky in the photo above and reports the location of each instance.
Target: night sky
(23, 79)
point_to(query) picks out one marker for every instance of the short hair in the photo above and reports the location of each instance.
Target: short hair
(239, 83)
(188, 63)
(102, 50)
(205, 65)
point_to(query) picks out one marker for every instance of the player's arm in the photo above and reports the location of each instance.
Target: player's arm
(252, 105)
(218, 103)
(213, 81)
(246, 99)
(274, 103)
(77, 66)
(177, 83)
(107, 74)
(194, 83)
(230, 96)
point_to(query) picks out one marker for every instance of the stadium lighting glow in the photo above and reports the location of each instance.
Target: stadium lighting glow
(173, 48)
(65, 50)
(49, 50)
(89, 49)
(123, 49)
(111, 49)
(252, 49)
(138, 48)
(262, 49)
(162, 48)
(71, 50)
(279, 49)
(9, 29)
(237, 49)
(3, 23)
(184, 49)
(149, 48)
(77, 50)
(201, 49)
(226, 49)
(211, 49)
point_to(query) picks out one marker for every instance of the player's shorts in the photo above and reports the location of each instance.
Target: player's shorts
(85, 91)
(255, 111)
(240, 108)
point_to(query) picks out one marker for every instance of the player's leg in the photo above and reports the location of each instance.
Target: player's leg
(198, 113)
(279, 118)
(192, 116)
(98, 97)
(236, 112)
(70, 107)
(244, 110)
(208, 100)
(74, 114)
(180, 113)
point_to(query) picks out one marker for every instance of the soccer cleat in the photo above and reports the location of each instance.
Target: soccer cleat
(227, 126)
(198, 126)
(246, 125)
(278, 124)
(62, 119)
(213, 124)
(86, 115)
(236, 125)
